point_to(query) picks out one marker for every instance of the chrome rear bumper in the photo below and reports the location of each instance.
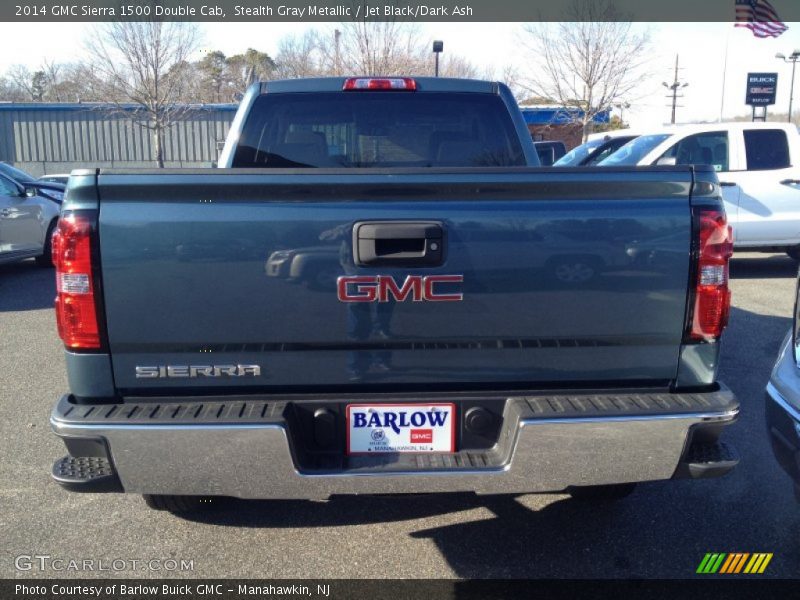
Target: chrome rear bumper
(246, 449)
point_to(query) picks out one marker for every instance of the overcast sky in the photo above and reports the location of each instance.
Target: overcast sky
(492, 45)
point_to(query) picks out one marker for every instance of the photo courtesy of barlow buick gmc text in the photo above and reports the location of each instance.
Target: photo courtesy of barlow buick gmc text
(372, 299)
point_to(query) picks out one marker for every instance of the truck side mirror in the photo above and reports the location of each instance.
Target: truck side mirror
(666, 161)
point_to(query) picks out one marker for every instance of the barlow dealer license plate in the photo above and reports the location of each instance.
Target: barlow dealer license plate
(381, 428)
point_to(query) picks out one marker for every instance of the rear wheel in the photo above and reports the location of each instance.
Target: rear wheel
(602, 493)
(179, 504)
(46, 258)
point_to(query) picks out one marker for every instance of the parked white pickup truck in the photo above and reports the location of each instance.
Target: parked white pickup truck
(758, 165)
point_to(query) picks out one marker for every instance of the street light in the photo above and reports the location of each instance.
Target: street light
(792, 58)
(438, 47)
(622, 105)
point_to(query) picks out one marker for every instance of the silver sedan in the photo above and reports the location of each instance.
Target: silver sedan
(27, 222)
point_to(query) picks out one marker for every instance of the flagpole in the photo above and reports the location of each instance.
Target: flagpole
(724, 74)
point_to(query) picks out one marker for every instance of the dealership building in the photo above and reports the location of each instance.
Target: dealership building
(556, 123)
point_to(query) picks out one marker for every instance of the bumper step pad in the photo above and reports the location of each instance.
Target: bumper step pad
(707, 459)
(86, 474)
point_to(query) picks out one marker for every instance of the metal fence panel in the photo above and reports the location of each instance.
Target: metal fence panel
(55, 137)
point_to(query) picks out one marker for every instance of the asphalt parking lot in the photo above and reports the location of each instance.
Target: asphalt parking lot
(662, 530)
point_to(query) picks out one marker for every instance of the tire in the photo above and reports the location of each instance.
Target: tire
(602, 493)
(46, 259)
(794, 253)
(183, 504)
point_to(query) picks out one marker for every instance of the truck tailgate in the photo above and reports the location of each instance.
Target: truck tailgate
(568, 275)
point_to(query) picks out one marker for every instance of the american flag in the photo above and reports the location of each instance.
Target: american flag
(759, 17)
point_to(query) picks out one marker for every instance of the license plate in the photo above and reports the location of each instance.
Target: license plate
(382, 428)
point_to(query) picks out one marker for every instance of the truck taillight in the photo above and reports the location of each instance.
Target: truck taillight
(380, 83)
(76, 308)
(712, 297)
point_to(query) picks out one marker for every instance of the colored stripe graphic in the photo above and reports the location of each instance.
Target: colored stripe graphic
(765, 563)
(711, 562)
(740, 562)
(734, 563)
(702, 567)
(726, 566)
(754, 564)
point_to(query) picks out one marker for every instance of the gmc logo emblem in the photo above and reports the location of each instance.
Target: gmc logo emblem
(378, 288)
(422, 436)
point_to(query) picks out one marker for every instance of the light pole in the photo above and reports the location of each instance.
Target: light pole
(622, 106)
(438, 48)
(336, 35)
(674, 86)
(792, 58)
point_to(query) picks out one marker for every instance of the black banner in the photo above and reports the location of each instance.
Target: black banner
(716, 587)
(370, 10)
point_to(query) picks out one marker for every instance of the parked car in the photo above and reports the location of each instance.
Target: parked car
(549, 152)
(52, 190)
(758, 165)
(634, 151)
(61, 178)
(595, 149)
(435, 354)
(783, 403)
(27, 223)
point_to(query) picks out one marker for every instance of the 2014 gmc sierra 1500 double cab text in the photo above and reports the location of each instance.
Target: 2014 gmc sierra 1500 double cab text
(475, 323)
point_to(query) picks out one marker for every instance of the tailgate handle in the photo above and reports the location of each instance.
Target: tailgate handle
(398, 243)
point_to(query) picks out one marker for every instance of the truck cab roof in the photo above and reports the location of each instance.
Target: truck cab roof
(423, 84)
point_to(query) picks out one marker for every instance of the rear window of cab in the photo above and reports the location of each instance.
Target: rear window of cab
(378, 129)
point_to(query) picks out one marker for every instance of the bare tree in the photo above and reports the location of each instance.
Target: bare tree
(304, 56)
(364, 48)
(245, 69)
(81, 83)
(10, 92)
(383, 48)
(53, 76)
(510, 75)
(145, 64)
(32, 84)
(587, 61)
(454, 65)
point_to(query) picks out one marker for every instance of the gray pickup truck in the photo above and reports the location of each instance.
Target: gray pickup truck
(482, 325)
